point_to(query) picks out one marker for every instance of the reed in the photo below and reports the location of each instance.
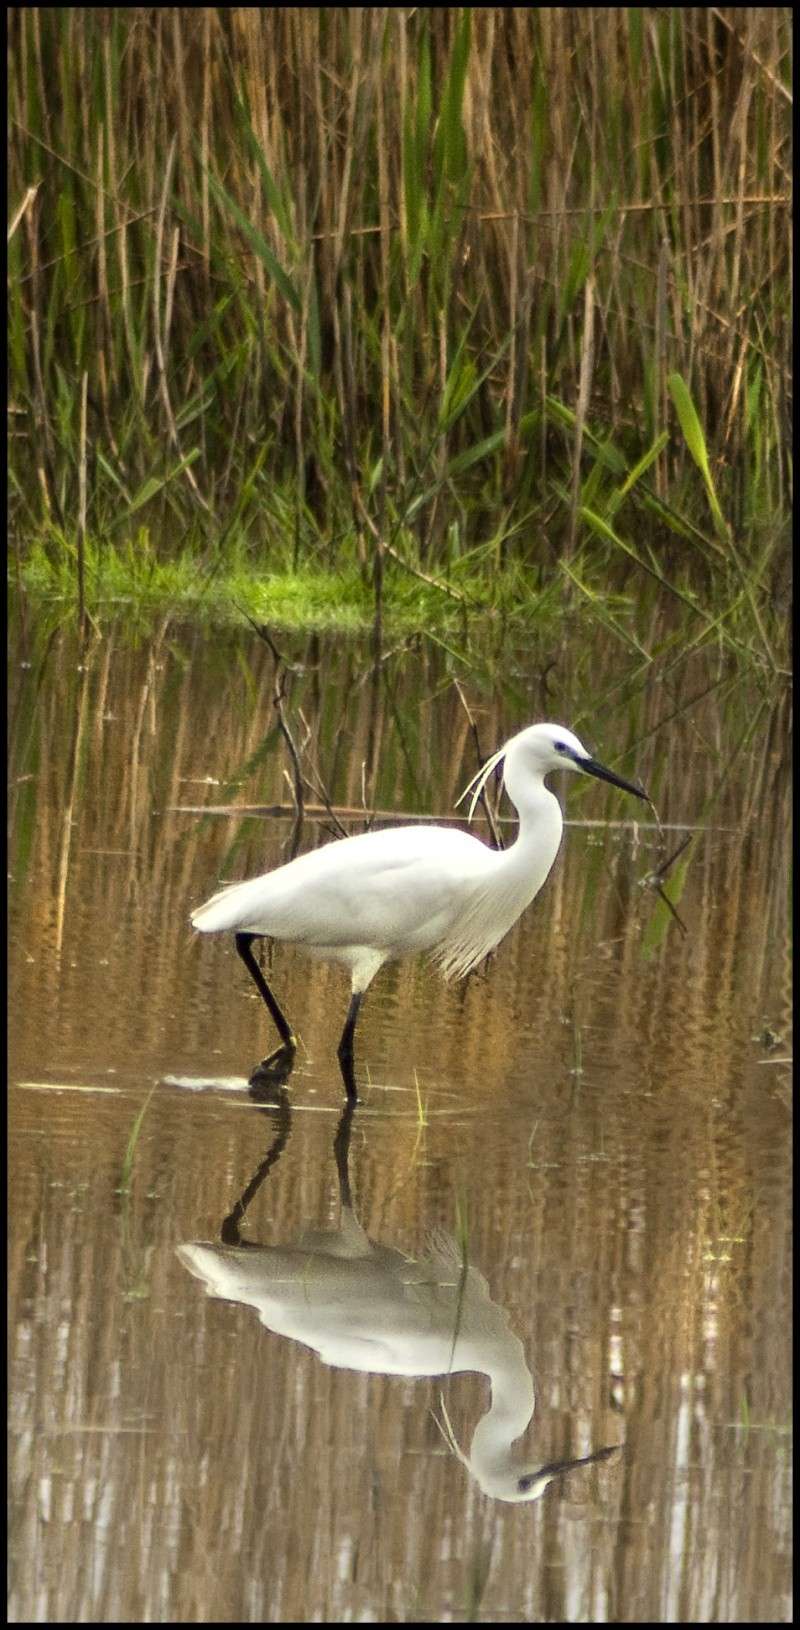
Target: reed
(385, 288)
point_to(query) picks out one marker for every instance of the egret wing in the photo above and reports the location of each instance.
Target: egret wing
(397, 890)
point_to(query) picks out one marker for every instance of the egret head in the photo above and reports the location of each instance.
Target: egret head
(552, 747)
(542, 748)
(491, 1461)
(529, 1483)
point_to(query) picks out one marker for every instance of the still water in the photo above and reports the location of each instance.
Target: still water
(271, 1361)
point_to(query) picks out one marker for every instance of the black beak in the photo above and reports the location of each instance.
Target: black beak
(557, 1467)
(591, 766)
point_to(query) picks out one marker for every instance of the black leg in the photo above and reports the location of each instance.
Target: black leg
(341, 1149)
(243, 943)
(229, 1232)
(345, 1049)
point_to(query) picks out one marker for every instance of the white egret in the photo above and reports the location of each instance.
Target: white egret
(369, 899)
(363, 1306)
(366, 1306)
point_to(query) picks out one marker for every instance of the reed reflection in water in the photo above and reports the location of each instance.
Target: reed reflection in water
(608, 1110)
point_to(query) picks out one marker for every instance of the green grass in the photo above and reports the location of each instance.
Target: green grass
(468, 604)
(498, 294)
(307, 598)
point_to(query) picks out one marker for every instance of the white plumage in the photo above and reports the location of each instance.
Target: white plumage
(364, 1305)
(366, 900)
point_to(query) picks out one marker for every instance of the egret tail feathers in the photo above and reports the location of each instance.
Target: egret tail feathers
(226, 909)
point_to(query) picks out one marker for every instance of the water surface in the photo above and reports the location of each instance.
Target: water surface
(569, 1175)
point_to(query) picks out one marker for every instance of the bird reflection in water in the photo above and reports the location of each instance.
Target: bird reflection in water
(363, 1306)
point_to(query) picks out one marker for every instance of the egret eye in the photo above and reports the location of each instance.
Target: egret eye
(561, 746)
(526, 1482)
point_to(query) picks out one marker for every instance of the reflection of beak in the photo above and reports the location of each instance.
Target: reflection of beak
(558, 1466)
(591, 766)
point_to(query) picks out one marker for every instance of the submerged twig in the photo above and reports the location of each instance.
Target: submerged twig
(317, 785)
(279, 691)
(282, 669)
(654, 879)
